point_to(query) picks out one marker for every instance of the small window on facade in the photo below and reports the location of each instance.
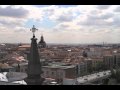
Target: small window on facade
(26, 70)
(52, 73)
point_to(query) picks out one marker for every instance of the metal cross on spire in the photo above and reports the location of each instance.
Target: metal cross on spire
(33, 30)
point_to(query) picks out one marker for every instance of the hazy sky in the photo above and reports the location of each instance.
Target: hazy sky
(60, 23)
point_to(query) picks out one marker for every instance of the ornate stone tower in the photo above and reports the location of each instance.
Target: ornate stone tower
(42, 43)
(34, 66)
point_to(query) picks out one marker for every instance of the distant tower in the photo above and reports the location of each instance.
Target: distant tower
(34, 66)
(18, 68)
(85, 54)
(103, 43)
(42, 43)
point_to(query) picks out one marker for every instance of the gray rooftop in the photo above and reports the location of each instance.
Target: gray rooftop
(8, 83)
(92, 77)
(15, 76)
(21, 64)
(59, 66)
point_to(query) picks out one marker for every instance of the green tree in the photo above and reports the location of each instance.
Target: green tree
(105, 81)
(113, 74)
(112, 81)
(118, 75)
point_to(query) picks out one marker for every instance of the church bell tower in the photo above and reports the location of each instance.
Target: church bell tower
(34, 66)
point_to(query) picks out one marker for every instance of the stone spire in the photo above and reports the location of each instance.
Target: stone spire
(42, 39)
(34, 66)
(42, 43)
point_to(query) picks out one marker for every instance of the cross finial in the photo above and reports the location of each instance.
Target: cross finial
(33, 30)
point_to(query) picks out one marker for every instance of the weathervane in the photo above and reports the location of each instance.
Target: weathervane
(33, 30)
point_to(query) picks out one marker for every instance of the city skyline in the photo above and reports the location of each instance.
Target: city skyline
(60, 23)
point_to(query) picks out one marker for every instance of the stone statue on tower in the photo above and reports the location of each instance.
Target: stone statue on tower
(33, 30)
